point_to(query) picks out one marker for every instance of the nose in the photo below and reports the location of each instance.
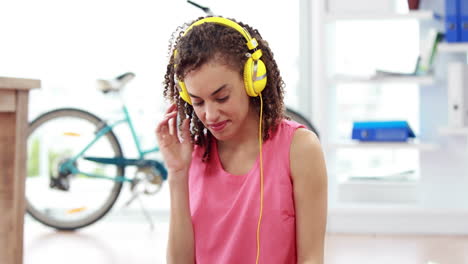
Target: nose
(211, 112)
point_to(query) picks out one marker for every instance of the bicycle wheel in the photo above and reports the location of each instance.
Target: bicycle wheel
(62, 199)
(296, 116)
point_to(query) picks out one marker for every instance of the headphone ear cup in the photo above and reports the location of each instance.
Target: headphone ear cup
(183, 93)
(255, 77)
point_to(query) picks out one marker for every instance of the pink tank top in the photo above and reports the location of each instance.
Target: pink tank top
(225, 207)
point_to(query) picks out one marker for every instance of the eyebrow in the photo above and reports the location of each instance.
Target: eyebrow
(213, 93)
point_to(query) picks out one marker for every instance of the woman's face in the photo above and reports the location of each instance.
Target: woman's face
(219, 98)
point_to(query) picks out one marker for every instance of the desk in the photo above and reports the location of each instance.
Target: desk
(14, 94)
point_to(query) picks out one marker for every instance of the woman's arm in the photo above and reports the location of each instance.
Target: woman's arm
(176, 148)
(180, 248)
(309, 177)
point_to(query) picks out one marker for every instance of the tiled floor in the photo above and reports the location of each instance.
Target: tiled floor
(129, 239)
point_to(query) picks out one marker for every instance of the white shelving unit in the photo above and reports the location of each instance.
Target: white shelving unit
(420, 80)
(421, 15)
(454, 131)
(437, 194)
(381, 191)
(452, 47)
(385, 145)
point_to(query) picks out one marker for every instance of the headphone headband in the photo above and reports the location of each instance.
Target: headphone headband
(251, 42)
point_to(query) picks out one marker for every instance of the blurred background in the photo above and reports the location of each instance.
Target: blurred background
(331, 54)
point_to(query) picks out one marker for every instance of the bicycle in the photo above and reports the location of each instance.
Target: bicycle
(76, 165)
(60, 166)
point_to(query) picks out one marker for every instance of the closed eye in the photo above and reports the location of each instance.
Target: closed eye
(222, 100)
(198, 103)
(219, 100)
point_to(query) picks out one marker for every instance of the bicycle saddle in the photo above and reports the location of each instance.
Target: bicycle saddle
(116, 84)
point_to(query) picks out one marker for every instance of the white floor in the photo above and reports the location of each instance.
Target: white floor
(127, 237)
(116, 239)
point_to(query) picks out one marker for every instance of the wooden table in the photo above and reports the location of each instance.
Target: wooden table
(13, 128)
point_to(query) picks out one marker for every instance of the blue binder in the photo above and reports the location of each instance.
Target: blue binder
(393, 131)
(452, 19)
(463, 25)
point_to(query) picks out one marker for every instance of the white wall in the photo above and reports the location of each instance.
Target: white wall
(68, 45)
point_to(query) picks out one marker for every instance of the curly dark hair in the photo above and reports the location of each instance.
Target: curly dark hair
(212, 41)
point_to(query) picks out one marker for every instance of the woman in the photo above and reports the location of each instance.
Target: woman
(246, 185)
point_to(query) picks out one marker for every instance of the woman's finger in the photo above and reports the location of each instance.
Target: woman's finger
(166, 119)
(165, 131)
(169, 116)
(171, 108)
(161, 131)
(162, 123)
(173, 125)
(163, 128)
(168, 127)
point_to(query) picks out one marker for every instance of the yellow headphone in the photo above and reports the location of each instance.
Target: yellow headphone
(255, 74)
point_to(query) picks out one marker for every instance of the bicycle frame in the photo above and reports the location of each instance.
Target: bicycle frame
(119, 161)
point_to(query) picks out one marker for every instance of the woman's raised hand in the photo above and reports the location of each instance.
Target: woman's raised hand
(176, 146)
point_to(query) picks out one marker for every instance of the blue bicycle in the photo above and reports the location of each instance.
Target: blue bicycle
(76, 166)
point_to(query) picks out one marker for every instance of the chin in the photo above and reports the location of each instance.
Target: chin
(223, 135)
(220, 136)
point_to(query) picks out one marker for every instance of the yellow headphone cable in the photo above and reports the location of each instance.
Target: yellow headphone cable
(260, 139)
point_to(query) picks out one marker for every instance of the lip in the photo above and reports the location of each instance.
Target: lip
(218, 126)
